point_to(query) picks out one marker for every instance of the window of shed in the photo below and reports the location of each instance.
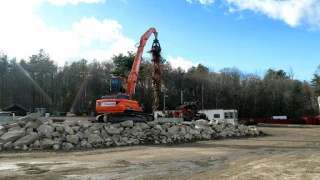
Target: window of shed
(231, 115)
(216, 116)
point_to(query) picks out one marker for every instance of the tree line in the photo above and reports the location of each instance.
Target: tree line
(40, 83)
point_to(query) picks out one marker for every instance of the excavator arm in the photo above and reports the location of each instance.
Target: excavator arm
(134, 73)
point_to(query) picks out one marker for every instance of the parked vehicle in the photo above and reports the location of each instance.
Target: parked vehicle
(229, 115)
(6, 113)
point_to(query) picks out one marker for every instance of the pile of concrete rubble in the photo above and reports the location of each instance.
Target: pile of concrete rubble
(29, 133)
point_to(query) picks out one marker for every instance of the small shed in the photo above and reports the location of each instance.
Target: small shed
(16, 109)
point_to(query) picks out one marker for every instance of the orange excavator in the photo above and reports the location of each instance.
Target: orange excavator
(119, 106)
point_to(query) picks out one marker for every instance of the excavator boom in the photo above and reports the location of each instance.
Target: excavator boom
(134, 73)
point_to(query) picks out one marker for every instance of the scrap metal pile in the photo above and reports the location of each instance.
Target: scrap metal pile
(156, 72)
(188, 111)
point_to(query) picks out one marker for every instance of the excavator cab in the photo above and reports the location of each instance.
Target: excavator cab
(117, 85)
(117, 88)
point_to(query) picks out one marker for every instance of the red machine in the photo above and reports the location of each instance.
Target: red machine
(189, 111)
(119, 106)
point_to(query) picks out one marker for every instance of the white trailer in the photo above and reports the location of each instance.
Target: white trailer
(230, 115)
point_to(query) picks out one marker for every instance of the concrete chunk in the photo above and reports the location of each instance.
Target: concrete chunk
(94, 139)
(26, 140)
(127, 123)
(44, 129)
(72, 139)
(13, 135)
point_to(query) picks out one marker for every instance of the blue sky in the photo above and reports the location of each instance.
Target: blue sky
(252, 36)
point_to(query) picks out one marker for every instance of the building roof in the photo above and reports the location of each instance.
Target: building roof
(13, 105)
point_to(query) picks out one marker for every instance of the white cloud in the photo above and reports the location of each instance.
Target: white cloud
(25, 33)
(74, 2)
(231, 10)
(204, 2)
(292, 12)
(181, 62)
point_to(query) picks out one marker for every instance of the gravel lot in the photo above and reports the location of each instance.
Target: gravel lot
(286, 153)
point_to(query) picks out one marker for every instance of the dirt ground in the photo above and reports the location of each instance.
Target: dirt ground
(286, 153)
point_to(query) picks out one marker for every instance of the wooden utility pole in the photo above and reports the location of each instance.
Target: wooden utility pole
(202, 94)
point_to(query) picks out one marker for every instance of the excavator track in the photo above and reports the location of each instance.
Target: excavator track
(129, 115)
